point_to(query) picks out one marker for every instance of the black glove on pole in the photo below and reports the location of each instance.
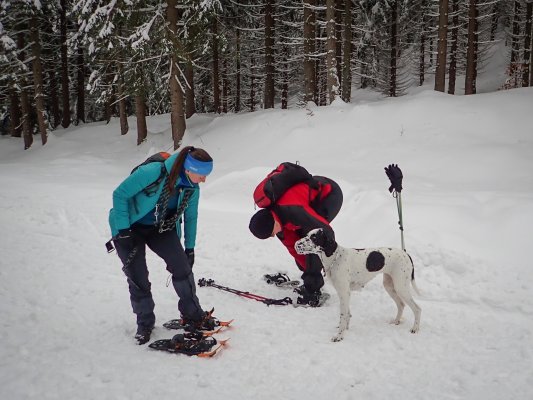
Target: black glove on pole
(395, 176)
(394, 173)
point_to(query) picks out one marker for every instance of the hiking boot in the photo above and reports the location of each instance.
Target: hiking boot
(205, 323)
(143, 334)
(311, 299)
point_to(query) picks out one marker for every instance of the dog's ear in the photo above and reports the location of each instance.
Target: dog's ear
(317, 237)
(330, 245)
(325, 239)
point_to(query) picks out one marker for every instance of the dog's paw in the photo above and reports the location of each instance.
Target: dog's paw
(395, 321)
(338, 337)
(414, 329)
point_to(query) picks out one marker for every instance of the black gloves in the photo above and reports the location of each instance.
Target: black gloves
(126, 238)
(395, 176)
(190, 256)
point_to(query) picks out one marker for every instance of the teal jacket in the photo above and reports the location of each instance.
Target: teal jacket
(130, 203)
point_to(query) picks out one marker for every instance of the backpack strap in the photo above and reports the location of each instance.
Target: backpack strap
(152, 187)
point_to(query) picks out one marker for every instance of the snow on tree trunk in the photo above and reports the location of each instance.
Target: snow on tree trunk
(309, 50)
(269, 54)
(442, 46)
(331, 48)
(471, 53)
(38, 77)
(177, 116)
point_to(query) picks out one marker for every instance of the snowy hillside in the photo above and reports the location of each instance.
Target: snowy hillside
(66, 323)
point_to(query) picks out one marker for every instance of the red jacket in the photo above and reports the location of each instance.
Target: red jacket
(296, 215)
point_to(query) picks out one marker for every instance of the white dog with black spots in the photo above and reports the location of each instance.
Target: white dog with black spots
(351, 269)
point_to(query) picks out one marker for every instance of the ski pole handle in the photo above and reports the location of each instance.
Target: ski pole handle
(205, 282)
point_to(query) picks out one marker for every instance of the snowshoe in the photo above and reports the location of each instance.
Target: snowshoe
(208, 324)
(280, 280)
(190, 344)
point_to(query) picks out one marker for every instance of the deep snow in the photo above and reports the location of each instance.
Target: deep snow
(65, 316)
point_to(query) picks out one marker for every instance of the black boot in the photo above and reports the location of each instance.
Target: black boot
(307, 297)
(206, 322)
(143, 334)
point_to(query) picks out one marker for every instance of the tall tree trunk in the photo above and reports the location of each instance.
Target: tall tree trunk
(331, 53)
(54, 101)
(14, 112)
(442, 46)
(471, 55)
(238, 77)
(430, 52)
(309, 50)
(393, 84)
(252, 85)
(38, 77)
(108, 81)
(177, 115)
(225, 86)
(339, 7)
(65, 95)
(190, 106)
(422, 59)
(320, 85)
(515, 46)
(26, 118)
(494, 21)
(285, 80)
(269, 54)
(80, 105)
(140, 112)
(527, 46)
(216, 78)
(452, 72)
(531, 62)
(25, 106)
(347, 53)
(124, 126)
(123, 114)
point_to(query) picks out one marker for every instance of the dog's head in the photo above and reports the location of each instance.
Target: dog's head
(317, 241)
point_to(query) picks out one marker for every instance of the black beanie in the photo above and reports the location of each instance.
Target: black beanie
(262, 224)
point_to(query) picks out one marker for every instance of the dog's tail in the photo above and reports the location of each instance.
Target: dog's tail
(413, 282)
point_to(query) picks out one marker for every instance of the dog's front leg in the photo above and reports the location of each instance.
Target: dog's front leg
(344, 322)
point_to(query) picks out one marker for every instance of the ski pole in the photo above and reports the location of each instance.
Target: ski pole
(400, 222)
(394, 173)
(278, 302)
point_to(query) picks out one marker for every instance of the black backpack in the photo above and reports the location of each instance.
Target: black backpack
(278, 182)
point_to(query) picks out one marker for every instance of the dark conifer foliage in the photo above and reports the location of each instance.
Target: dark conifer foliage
(68, 62)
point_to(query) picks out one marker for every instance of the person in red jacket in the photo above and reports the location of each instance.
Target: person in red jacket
(302, 208)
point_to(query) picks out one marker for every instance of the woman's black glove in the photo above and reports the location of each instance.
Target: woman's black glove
(190, 256)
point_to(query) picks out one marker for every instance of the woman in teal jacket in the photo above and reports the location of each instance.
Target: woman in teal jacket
(147, 211)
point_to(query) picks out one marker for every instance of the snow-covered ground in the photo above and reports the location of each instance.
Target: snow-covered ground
(65, 317)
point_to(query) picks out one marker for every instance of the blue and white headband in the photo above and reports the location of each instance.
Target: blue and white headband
(198, 167)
